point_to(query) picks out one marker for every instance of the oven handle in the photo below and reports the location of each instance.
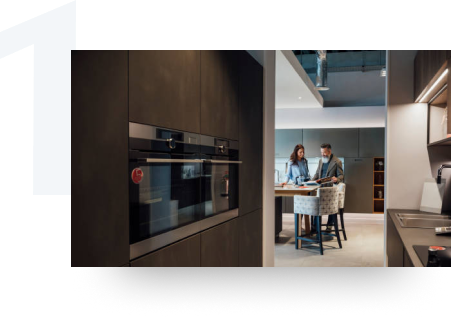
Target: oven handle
(157, 160)
(222, 161)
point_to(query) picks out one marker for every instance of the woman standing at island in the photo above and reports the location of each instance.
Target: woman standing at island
(297, 166)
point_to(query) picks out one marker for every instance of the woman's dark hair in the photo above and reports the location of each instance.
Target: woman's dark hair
(294, 155)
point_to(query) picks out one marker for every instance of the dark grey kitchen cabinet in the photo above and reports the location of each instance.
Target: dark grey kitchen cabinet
(165, 89)
(185, 253)
(99, 146)
(359, 185)
(219, 245)
(286, 140)
(407, 262)
(394, 246)
(250, 134)
(372, 142)
(250, 239)
(219, 73)
(344, 142)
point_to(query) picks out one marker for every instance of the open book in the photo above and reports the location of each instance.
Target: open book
(324, 180)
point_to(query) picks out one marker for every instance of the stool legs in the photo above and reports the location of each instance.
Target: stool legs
(342, 223)
(319, 235)
(296, 235)
(337, 233)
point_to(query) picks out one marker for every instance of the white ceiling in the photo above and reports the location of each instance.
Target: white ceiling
(294, 89)
(330, 117)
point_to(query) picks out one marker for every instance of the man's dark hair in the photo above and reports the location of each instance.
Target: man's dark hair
(326, 146)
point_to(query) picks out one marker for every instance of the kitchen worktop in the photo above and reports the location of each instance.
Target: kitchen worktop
(416, 236)
(290, 190)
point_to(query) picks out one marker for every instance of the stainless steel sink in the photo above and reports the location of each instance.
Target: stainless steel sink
(423, 220)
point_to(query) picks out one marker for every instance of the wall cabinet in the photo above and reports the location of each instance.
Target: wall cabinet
(359, 185)
(219, 245)
(427, 64)
(250, 134)
(99, 214)
(286, 140)
(219, 73)
(372, 142)
(165, 89)
(250, 228)
(344, 142)
(185, 253)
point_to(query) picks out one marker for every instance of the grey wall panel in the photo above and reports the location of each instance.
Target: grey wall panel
(359, 185)
(185, 253)
(344, 142)
(250, 239)
(371, 142)
(219, 245)
(286, 140)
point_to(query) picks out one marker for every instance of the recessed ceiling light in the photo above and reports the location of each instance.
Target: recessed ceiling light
(300, 98)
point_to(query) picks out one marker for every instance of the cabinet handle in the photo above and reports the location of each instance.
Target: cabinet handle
(155, 160)
(221, 161)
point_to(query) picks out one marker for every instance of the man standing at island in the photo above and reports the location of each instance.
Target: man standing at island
(329, 166)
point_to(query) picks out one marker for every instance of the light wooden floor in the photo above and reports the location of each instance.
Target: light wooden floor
(364, 247)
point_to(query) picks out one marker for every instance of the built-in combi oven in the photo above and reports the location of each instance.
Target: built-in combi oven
(180, 184)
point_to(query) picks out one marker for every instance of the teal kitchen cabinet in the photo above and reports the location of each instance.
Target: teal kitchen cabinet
(286, 140)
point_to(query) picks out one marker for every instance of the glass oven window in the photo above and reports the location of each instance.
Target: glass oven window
(219, 188)
(167, 197)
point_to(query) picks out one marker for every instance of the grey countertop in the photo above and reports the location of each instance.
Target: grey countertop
(416, 236)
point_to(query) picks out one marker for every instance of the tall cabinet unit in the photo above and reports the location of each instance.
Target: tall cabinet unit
(251, 154)
(99, 145)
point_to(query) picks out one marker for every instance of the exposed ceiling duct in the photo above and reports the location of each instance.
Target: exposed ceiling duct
(321, 70)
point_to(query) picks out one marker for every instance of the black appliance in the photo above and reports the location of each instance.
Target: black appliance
(444, 256)
(173, 187)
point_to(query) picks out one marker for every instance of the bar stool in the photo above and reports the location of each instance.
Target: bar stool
(325, 203)
(341, 204)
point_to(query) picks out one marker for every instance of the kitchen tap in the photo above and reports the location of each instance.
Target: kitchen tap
(439, 174)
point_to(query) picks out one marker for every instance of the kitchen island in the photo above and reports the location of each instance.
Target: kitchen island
(400, 241)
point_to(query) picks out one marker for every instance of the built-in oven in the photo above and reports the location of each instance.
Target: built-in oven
(164, 187)
(219, 178)
(176, 187)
